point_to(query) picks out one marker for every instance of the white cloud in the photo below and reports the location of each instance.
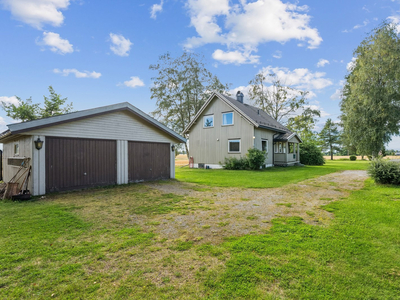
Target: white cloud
(337, 95)
(134, 82)
(56, 43)
(396, 21)
(9, 100)
(78, 74)
(350, 66)
(156, 8)
(277, 55)
(37, 12)
(322, 62)
(235, 57)
(250, 23)
(301, 78)
(365, 23)
(120, 45)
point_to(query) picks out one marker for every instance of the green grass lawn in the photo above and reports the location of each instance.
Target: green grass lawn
(88, 245)
(267, 178)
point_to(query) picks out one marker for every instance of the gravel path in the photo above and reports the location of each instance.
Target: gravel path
(237, 211)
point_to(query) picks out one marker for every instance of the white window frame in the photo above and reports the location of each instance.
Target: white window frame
(284, 147)
(207, 116)
(280, 147)
(16, 149)
(235, 140)
(265, 140)
(233, 120)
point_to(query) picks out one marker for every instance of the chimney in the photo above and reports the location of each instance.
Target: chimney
(239, 96)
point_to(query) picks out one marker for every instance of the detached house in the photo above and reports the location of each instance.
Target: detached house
(227, 127)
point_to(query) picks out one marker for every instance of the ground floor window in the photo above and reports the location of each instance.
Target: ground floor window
(234, 146)
(291, 147)
(264, 145)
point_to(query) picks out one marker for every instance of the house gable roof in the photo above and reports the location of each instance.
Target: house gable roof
(256, 116)
(22, 127)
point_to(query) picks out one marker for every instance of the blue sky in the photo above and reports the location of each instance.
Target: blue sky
(98, 52)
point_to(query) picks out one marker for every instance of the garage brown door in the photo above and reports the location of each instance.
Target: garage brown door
(79, 163)
(148, 161)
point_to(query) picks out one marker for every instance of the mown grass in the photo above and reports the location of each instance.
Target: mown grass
(88, 245)
(267, 178)
(356, 257)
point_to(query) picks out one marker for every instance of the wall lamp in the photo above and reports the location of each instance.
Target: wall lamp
(173, 148)
(38, 144)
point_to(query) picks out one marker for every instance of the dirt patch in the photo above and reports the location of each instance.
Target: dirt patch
(236, 211)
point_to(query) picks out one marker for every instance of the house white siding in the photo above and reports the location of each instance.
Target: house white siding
(264, 134)
(210, 145)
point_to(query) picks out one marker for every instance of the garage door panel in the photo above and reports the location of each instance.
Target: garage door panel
(78, 163)
(148, 161)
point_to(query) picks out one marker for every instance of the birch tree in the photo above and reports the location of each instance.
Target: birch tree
(371, 96)
(181, 87)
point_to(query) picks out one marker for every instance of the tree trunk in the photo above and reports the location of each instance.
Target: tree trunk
(187, 150)
(331, 153)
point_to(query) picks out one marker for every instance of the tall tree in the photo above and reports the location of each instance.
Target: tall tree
(304, 124)
(278, 100)
(28, 111)
(181, 87)
(330, 136)
(371, 96)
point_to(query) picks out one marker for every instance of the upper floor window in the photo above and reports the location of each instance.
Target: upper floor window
(208, 121)
(227, 118)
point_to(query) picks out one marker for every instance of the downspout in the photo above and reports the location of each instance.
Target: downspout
(273, 149)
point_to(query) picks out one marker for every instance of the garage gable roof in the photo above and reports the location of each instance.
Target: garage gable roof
(35, 124)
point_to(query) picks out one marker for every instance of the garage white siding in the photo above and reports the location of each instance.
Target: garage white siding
(119, 125)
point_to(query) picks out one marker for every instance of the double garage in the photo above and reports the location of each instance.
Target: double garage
(117, 144)
(73, 163)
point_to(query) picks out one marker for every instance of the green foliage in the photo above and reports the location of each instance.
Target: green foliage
(256, 158)
(277, 100)
(330, 137)
(233, 163)
(53, 105)
(28, 111)
(310, 154)
(384, 171)
(181, 87)
(371, 96)
(353, 157)
(304, 124)
(24, 110)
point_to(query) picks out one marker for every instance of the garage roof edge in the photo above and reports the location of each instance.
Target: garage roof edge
(45, 122)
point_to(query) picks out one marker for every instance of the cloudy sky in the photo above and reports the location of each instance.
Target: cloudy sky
(98, 52)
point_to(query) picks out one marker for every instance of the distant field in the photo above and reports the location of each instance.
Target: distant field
(359, 157)
(181, 160)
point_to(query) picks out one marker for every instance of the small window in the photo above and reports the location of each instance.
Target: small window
(264, 145)
(16, 149)
(284, 147)
(291, 147)
(280, 147)
(227, 118)
(234, 146)
(208, 121)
